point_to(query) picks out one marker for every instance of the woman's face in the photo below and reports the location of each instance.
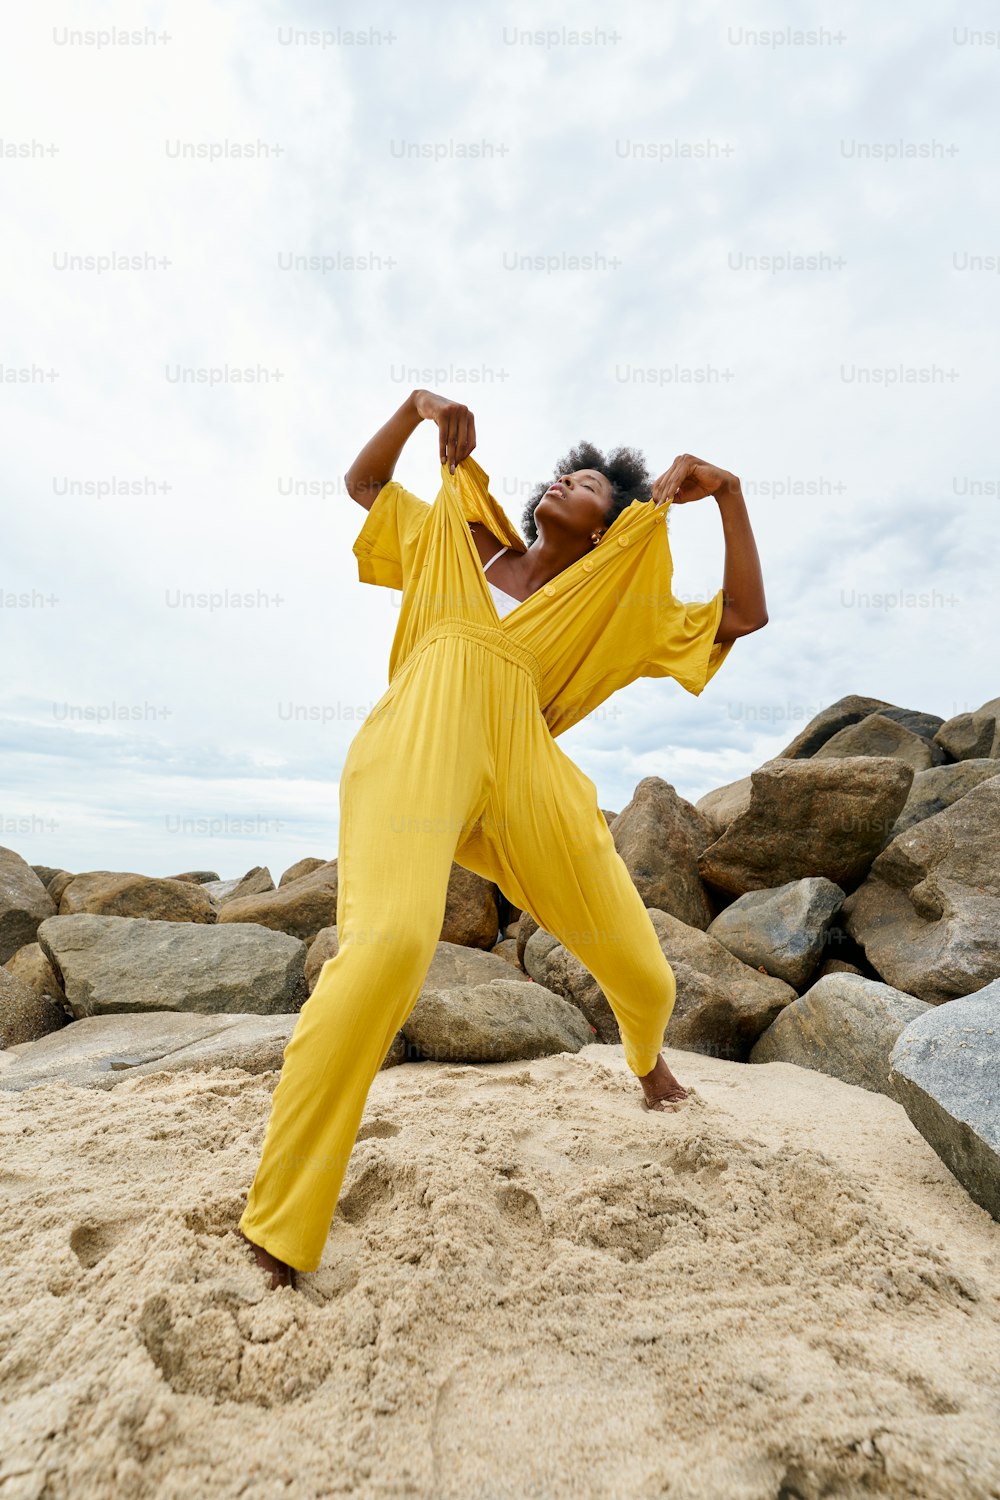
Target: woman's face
(576, 503)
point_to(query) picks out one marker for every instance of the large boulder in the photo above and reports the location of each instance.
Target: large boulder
(108, 893)
(302, 867)
(784, 931)
(302, 908)
(119, 964)
(928, 915)
(845, 1026)
(23, 1014)
(946, 1074)
(24, 902)
(878, 734)
(99, 1051)
(494, 1022)
(972, 736)
(829, 721)
(452, 965)
(939, 787)
(721, 806)
(659, 836)
(471, 916)
(809, 817)
(721, 1006)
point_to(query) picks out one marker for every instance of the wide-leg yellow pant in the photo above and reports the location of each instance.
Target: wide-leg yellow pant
(455, 762)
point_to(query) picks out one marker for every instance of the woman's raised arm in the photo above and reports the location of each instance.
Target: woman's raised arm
(374, 465)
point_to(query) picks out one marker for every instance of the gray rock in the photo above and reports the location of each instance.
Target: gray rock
(946, 1072)
(24, 902)
(99, 1051)
(809, 817)
(128, 964)
(928, 915)
(972, 736)
(494, 1022)
(845, 1026)
(939, 787)
(23, 1014)
(784, 930)
(452, 964)
(659, 836)
(878, 734)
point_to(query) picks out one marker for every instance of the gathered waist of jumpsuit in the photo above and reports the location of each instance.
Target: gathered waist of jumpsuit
(497, 641)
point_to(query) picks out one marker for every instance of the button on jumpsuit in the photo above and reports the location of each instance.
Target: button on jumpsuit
(458, 762)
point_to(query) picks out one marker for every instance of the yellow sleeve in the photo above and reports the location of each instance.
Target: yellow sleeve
(387, 541)
(684, 645)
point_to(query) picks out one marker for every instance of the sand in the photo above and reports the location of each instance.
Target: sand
(533, 1287)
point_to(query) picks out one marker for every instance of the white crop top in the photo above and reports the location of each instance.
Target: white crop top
(504, 602)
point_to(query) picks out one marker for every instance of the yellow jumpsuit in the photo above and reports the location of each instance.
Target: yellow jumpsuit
(458, 762)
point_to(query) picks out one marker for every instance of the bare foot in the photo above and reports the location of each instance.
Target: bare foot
(282, 1274)
(661, 1088)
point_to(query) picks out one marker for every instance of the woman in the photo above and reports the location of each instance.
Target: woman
(458, 762)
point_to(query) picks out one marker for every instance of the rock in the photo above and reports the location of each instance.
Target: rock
(107, 893)
(323, 946)
(470, 915)
(827, 723)
(972, 736)
(99, 1051)
(507, 950)
(549, 964)
(659, 837)
(845, 1026)
(511, 929)
(838, 966)
(24, 902)
(58, 884)
(809, 817)
(452, 964)
(23, 1014)
(128, 964)
(46, 872)
(939, 787)
(32, 968)
(721, 807)
(878, 734)
(526, 928)
(928, 916)
(302, 908)
(721, 1008)
(494, 1022)
(197, 877)
(302, 867)
(784, 930)
(254, 883)
(946, 1073)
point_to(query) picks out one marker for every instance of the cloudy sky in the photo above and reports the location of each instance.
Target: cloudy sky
(789, 244)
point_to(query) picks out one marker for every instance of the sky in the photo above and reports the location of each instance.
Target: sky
(766, 235)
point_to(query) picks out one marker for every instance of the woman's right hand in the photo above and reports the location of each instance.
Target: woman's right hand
(456, 424)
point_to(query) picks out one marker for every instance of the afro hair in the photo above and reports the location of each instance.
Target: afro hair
(624, 467)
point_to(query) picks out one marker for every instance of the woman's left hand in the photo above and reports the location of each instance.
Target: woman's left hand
(690, 478)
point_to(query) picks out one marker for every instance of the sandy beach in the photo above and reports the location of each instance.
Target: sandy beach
(533, 1287)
